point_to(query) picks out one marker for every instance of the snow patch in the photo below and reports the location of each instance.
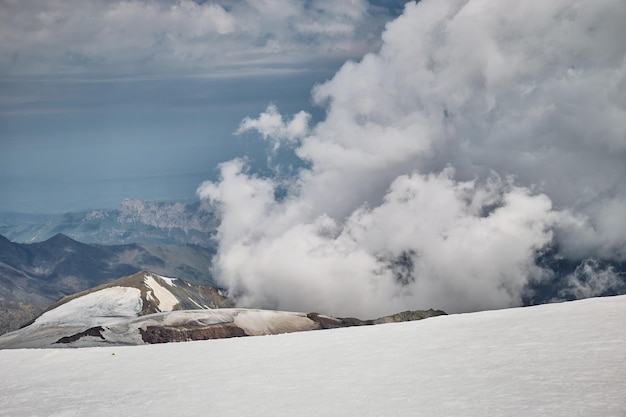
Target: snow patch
(167, 301)
(192, 300)
(168, 281)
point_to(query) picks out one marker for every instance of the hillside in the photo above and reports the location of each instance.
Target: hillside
(33, 276)
(557, 360)
(146, 308)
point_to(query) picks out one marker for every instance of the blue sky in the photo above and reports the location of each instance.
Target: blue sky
(102, 101)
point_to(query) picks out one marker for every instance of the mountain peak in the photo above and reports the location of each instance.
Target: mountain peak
(127, 298)
(160, 294)
(61, 238)
(135, 221)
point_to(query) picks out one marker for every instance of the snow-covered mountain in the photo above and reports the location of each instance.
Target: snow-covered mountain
(33, 276)
(557, 360)
(147, 308)
(153, 293)
(136, 221)
(120, 301)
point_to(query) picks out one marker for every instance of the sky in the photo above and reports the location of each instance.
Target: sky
(509, 363)
(106, 100)
(471, 158)
(364, 158)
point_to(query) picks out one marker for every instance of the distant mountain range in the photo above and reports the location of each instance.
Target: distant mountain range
(176, 239)
(136, 221)
(146, 308)
(33, 276)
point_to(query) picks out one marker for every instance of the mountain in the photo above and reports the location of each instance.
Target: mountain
(33, 276)
(557, 360)
(136, 221)
(146, 308)
(111, 304)
(156, 294)
(161, 226)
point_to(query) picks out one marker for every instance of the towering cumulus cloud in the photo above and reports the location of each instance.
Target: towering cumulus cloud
(482, 145)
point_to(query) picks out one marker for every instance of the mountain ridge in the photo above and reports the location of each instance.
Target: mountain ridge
(145, 308)
(35, 275)
(135, 221)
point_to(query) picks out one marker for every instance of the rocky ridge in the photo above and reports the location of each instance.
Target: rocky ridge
(145, 308)
(33, 276)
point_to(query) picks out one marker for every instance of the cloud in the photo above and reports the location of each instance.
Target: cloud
(182, 37)
(592, 279)
(430, 243)
(270, 125)
(482, 135)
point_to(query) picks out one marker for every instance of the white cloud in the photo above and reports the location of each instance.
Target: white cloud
(138, 37)
(270, 125)
(455, 256)
(591, 279)
(482, 133)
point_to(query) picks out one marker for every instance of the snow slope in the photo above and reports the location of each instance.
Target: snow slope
(564, 359)
(166, 301)
(108, 305)
(146, 308)
(113, 306)
(95, 308)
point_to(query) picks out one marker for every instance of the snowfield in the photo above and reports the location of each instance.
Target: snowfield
(94, 309)
(564, 359)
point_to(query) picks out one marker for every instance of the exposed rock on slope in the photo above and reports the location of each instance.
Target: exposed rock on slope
(14, 314)
(33, 276)
(327, 322)
(411, 315)
(146, 308)
(160, 294)
(87, 313)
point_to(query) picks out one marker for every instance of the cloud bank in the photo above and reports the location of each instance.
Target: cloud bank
(484, 136)
(182, 37)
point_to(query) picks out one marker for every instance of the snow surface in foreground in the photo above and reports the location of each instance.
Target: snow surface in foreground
(552, 360)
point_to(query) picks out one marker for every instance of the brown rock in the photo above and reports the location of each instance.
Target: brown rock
(163, 334)
(94, 331)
